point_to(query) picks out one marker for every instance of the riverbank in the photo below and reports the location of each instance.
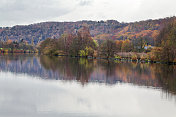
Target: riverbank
(6, 51)
(126, 56)
(122, 56)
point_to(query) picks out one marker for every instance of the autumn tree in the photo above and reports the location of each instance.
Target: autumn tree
(127, 46)
(167, 40)
(65, 42)
(108, 48)
(32, 41)
(88, 51)
(49, 47)
(79, 44)
(139, 44)
(81, 41)
(119, 45)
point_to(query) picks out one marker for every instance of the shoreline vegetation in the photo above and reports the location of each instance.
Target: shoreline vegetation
(124, 58)
(21, 46)
(81, 44)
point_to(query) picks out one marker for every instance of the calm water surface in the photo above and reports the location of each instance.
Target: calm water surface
(41, 86)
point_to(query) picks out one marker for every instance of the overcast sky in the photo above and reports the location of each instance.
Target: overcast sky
(13, 12)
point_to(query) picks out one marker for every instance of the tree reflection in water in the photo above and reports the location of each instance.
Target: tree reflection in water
(88, 70)
(69, 68)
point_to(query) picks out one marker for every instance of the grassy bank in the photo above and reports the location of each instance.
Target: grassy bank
(127, 56)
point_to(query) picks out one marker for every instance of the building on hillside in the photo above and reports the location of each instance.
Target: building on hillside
(146, 47)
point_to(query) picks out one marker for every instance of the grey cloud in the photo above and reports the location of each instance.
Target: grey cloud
(13, 12)
(85, 2)
(24, 11)
(152, 9)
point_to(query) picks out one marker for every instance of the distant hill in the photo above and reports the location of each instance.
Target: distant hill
(99, 30)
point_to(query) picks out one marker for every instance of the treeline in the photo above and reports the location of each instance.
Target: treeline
(9, 46)
(78, 44)
(81, 44)
(99, 29)
(166, 43)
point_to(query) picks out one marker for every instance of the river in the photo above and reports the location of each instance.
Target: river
(34, 86)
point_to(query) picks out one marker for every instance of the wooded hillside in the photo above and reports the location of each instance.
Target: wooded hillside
(100, 30)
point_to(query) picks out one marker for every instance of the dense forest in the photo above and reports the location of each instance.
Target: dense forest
(82, 44)
(99, 30)
(20, 46)
(151, 40)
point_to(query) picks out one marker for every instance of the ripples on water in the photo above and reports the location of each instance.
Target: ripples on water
(71, 87)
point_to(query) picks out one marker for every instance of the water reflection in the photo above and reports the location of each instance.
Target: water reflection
(85, 88)
(22, 96)
(87, 70)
